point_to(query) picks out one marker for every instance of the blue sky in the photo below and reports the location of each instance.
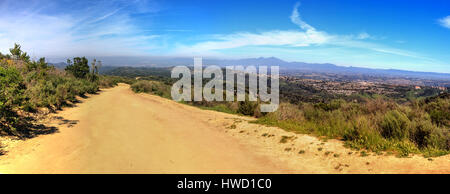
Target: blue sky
(401, 34)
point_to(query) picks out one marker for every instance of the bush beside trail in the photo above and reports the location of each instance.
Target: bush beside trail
(27, 85)
(376, 125)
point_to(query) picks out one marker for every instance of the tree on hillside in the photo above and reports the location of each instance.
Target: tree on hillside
(18, 54)
(79, 68)
(42, 63)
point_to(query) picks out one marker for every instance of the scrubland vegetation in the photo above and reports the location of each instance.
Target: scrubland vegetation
(375, 123)
(369, 122)
(152, 87)
(162, 87)
(27, 85)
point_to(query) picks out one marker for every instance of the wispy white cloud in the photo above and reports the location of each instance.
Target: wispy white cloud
(105, 16)
(305, 37)
(295, 18)
(445, 22)
(273, 38)
(292, 38)
(85, 29)
(308, 44)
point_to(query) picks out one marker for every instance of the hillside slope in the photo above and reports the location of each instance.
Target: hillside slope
(118, 131)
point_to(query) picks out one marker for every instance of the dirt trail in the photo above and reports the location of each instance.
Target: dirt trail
(118, 131)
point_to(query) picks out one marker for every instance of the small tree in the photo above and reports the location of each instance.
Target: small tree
(79, 68)
(18, 54)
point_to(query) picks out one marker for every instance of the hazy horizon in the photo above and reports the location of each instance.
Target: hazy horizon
(153, 61)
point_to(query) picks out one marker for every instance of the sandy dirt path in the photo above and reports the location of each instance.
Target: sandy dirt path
(118, 131)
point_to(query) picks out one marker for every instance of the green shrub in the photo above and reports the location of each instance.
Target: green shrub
(11, 97)
(11, 87)
(421, 131)
(142, 87)
(391, 127)
(27, 85)
(438, 138)
(247, 107)
(439, 109)
(333, 105)
(440, 117)
(395, 125)
(111, 81)
(152, 87)
(312, 113)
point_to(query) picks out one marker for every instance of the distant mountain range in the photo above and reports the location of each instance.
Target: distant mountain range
(270, 61)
